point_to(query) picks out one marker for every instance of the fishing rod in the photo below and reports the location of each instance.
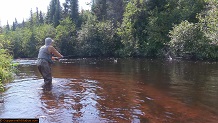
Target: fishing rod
(64, 57)
(68, 56)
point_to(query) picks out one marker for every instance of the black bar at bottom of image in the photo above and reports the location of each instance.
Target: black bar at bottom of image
(9, 120)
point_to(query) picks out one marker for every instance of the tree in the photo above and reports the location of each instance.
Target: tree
(87, 36)
(71, 8)
(17, 39)
(6, 68)
(43, 31)
(54, 13)
(41, 19)
(4, 42)
(132, 31)
(115, 10)
(146, 24)
(209, 21)
(197, 40)
(162, 18)
(96, 38)
(7, 27)
(23, 24)
(66, 37)
(31, 44)
(57, 15)
(13, 26)
(187, 40)
(99, 8)
(37, 16)
(31, 18)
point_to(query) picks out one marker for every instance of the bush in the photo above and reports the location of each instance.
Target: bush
(6, 68)
(96, 38)
(187, 40)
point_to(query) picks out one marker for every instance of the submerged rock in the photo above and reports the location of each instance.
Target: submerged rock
(1, 99)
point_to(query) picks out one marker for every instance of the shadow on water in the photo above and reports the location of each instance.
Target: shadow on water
(102, 90)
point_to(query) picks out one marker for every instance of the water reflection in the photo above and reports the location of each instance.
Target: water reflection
(128, 90)
(70, 100)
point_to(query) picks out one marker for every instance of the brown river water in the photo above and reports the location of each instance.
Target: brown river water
(108, 91)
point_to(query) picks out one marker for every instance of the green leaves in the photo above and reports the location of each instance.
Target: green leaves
(54, 13)
(66, 37)
(133, 28)
(6, 68)
(209, 21)
(141, 28)
(197, 40)
(188, 40)
(96, 38)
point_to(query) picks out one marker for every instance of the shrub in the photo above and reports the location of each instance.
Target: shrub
(187, 40)
(6, 68)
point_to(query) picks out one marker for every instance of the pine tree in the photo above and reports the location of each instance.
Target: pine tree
(74, 11)
(41, 20)
(37, 16)
(31, 18)
(23, 23)
(13, 26)
(57, 14)
(100, 9)
(54, 13)
(7, 27)
(66, 8)
(71, 8)
(115, 10)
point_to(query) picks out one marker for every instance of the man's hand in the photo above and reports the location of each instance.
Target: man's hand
(55, 58)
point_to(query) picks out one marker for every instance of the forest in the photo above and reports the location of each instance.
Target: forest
(186, 29)
(119, 28)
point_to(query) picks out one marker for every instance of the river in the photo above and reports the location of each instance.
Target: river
(110, 91)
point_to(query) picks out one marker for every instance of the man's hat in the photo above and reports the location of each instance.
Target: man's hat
(48, 41)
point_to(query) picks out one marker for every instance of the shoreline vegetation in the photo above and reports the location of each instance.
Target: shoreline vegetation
(161, 29)
(7, 68)
(122, 28)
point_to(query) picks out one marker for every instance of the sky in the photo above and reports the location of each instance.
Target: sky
(20, 9)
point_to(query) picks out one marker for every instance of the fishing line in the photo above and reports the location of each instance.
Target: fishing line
(68, 56)
(64, 57)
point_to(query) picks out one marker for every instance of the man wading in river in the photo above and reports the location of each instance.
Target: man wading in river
(44, 60)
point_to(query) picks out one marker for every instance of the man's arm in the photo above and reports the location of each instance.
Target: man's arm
(55, 52)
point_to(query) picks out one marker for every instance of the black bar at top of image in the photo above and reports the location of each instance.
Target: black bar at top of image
(9, 120)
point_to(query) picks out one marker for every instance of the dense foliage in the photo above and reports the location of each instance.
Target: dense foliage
(6, 66)
(120, 28)
(197, 40)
